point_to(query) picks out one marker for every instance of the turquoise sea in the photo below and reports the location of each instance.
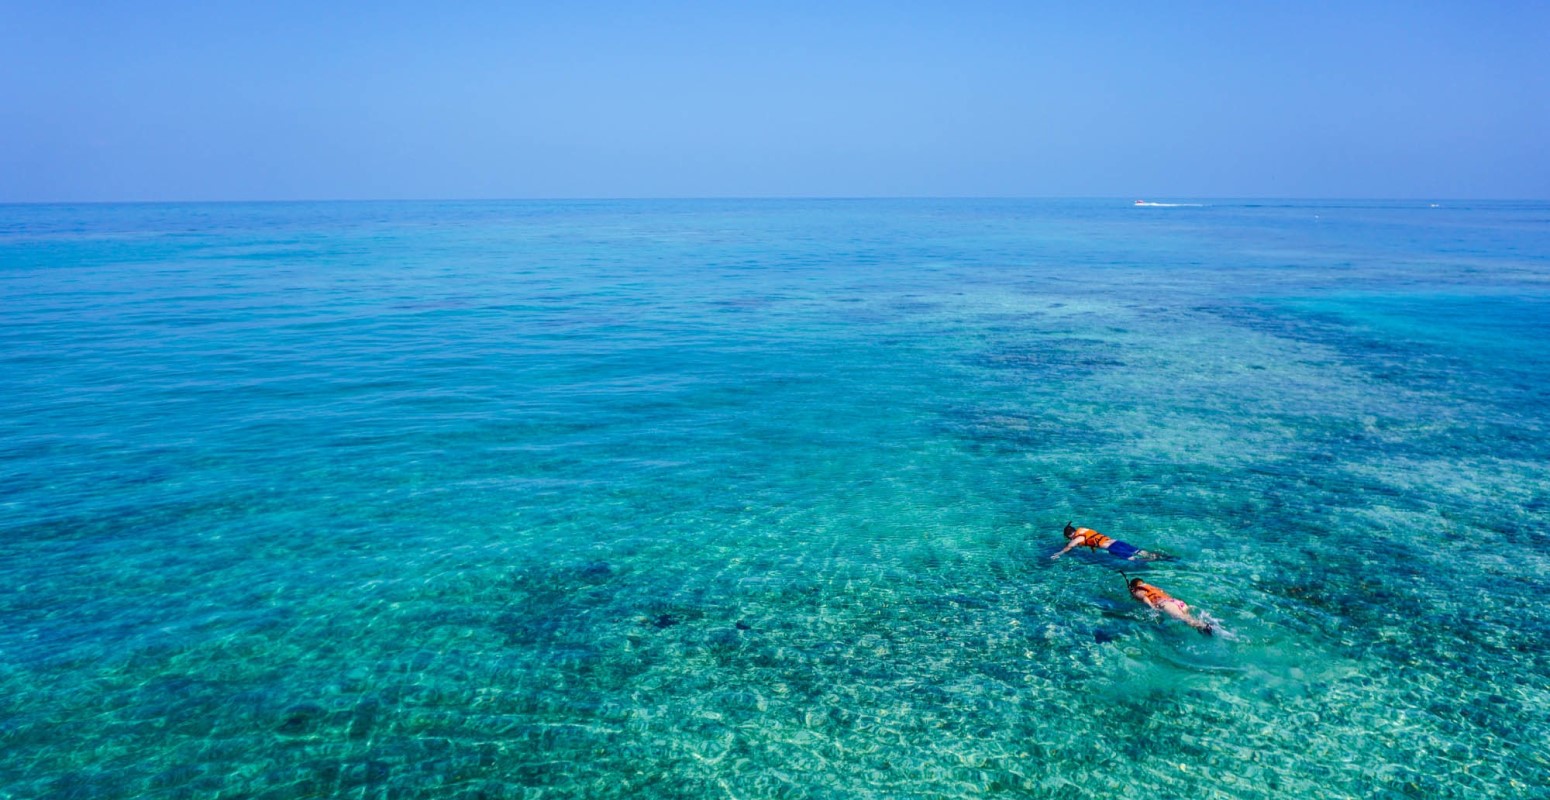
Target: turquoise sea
(755, 499)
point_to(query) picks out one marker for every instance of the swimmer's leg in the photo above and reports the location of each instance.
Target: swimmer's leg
(1179, 611)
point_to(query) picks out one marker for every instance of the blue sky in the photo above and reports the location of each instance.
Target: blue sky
(298, 100)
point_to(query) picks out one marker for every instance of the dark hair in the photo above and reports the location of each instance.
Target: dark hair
(1069, 530)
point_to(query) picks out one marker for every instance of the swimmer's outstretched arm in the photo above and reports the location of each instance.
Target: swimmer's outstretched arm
(1070, 543)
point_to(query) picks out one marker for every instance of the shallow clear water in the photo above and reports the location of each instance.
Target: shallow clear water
(755, 499)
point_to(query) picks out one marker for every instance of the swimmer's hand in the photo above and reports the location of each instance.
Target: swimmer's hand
(1055, 556)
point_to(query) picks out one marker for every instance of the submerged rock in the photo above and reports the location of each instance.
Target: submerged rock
(595, 572)
(300, 720)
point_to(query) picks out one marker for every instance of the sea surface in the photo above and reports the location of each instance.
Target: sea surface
(755, 499)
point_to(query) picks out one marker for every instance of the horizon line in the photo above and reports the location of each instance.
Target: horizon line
(774, 198)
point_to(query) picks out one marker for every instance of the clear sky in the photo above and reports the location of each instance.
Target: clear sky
(160, 100)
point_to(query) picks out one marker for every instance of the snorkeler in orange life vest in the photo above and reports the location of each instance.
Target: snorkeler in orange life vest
(1095, 541)
(1160, 600)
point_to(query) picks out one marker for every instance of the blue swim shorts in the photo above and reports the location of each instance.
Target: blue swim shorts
(1122, 550)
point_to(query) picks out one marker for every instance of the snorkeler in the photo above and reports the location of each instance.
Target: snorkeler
(1160, 600)
(1089, 538)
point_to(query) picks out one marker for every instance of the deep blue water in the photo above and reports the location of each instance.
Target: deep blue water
(755, 499)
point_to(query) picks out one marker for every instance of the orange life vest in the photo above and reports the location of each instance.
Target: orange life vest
(1149, 594)
(1091, 538)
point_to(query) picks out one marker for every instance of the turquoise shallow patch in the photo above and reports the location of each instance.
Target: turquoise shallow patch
(756, 499)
